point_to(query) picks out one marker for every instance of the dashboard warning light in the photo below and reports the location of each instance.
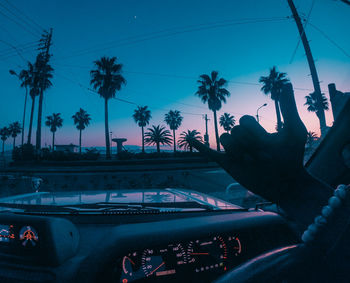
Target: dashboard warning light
(125, 280)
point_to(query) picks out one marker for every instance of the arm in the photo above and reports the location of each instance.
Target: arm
(271, 165)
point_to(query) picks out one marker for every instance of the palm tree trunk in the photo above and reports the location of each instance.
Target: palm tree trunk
(191, 150)
(31, 122)
(40, 114)
(80, 141)
(278, 115)
(3, 146)
(158, 148)
(14, 143)
(174, 141)
(108, 150)
(143, 140)
(53, 141)
(216, 131)
(321, 117)
(24, 115)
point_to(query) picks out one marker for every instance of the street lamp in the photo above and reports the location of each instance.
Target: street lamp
(257, 111)
(12, 72)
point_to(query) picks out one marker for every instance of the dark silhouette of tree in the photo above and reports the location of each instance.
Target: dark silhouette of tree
(81, 120)
(314, 104)
(272, 84)
(54, 122)
(187, 137)
(227, 121)
(174, 120)
(107, 79)
(33, 84)
(43, 73)
(311, 138)
(15, 129)
(4, 134)
(211, 90)
(158, 135)
(142, 116)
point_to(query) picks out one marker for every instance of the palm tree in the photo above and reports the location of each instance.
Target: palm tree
(227, 121)
(311, 138)
(54, 122)
(142, 116)
(317, 104)
(272, 84)
(15, 129)
(186, 137)
(33, 84)
(158, 135)
(81, 120)
(4, 134)
(211, 90)
(43, 76)
(106, 79)
(174, 120)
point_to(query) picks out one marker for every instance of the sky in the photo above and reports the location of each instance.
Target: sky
(164, 46)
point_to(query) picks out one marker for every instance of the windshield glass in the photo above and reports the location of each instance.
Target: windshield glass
(101, 99)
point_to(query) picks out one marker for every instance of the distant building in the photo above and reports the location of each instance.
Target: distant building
(67, 147)
(338, 99)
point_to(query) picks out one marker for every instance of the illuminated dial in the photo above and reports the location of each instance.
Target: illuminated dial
(151, 262)
(207, 254)
(6, 233)
(28, 236)
(235, 245)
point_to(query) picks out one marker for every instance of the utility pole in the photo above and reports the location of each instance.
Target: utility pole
(318, 95)
(206, 136)
(44, 49)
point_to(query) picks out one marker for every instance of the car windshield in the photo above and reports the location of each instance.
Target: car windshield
(101, 100)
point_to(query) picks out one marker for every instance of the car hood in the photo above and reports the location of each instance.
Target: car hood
(146, 196)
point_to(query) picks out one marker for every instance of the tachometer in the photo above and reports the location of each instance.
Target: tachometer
(234, 244)
(207, 254)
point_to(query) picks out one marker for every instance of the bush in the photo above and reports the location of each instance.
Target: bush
(25, 152)
(91, 154)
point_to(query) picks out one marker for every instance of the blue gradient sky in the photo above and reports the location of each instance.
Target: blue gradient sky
(241, 53)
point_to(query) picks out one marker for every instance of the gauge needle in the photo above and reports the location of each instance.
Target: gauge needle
(199, 253)
(133, 263)
(159, 266)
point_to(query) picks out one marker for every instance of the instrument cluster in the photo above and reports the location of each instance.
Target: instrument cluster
(214, 254)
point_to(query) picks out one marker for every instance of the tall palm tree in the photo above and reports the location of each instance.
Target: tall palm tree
(311, 138)
(81, 120)
(317, 104)
(158, 135)
(15, 129)
(33, 84)
(142, 116)
(43, 76)
(186, 137)
(272, 84)
(54, 122)
(107, 79)
(174, 120)
(4, 134)
(227, 121)
(212, 91)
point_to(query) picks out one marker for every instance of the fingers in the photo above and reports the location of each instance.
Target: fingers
(205, 150)
(289, 108)
(256, 131)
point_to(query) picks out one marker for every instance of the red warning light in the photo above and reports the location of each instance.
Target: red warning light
(125, 280)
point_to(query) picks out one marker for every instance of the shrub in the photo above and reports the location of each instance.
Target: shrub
(25, 152)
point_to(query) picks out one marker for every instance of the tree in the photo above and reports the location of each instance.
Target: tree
(4, 134)
(81, 120)
(211, 90)
(15, 129)
(272, 84)
(158, 135)
(142, 116)
(316, 103)
(106, 79)
(54, 122)
(227, 121)
(187, 137)
(174, 120)
(43, 76)
(311, 138)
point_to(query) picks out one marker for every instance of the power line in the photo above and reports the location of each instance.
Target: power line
(161, 34)
(23, 14)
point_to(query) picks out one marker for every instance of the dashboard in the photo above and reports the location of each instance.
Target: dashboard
(196, 247)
